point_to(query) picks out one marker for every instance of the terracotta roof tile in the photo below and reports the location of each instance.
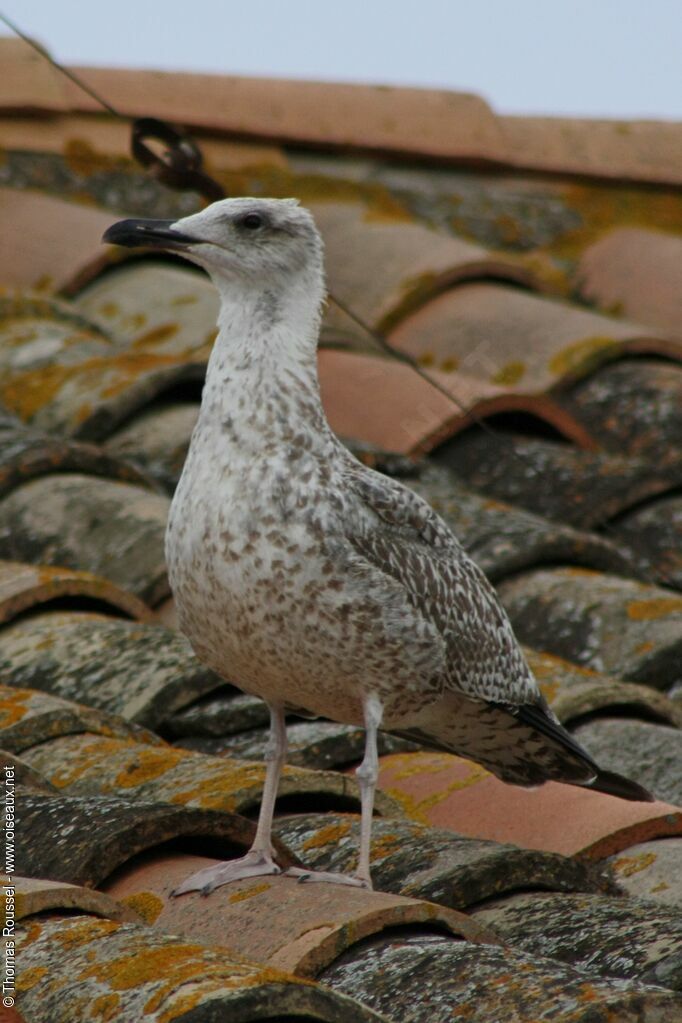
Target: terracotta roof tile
(429, 863)
(429, 979)
(27, 587)
(440, 125)
(93, 765)
(140, 671)
(118, 532)
(505, 540)
(633, 406)
(29, 717)
(449, 792)
(34, 896)
(81, 966)
(32, 84)
(652, 870)
(123, 828)
(574, 692)
(558, 480)
(25, 775)
(26, 454)
(652, 751)
(638, 273)
(48, 244)
(500, 335)
(633, 939)
(614, 625)
(278, 921)
(381, 268)
(385, 403)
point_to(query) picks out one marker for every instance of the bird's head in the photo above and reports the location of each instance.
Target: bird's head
(261, 242)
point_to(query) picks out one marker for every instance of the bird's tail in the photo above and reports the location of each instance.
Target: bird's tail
(617, 785)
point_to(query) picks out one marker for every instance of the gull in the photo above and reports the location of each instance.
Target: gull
(312, 581)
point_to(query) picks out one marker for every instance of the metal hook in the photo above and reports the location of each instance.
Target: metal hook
(180, 165)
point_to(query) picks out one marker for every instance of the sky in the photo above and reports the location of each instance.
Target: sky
(595, 58)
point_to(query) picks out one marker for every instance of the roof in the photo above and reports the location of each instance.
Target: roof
(531, 266)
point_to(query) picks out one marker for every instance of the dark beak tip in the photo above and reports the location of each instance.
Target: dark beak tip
(150, 233)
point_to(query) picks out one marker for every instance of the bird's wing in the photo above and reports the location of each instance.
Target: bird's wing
(403, 537)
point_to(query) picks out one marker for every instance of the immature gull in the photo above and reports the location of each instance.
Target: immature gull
(310, 580)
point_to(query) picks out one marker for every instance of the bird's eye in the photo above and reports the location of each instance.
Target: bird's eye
(252, 221)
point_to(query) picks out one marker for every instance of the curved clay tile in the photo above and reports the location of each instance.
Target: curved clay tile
(317, 744)
(154, 307)
(424, 121)
(432, 980)
(157, 439)
(430, 863)
(561, 481)
(29, 717)
(81, 966)
(508, 338)
(574, 692)
(450, 792)
(49, 244)
(94, 765)
(23, 774)
(505, 540)
(33, 896)
(651, 752)
(382, 267)
(637, 273)
(27, 587)
(630, 938)
(632, 406)
(26, 454)
(118, 531)
(654, 529)
(614, 625)
(383, 402)
(651, 870)
(139, 671)
(279, 921)
(223, 712)
(60, 369)
(85, 839)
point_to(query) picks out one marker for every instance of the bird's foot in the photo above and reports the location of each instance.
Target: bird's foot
(256, 863)
(309, 876)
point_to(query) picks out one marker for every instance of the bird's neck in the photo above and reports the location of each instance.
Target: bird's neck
(261, 383)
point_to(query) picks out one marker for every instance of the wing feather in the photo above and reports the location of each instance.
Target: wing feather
(404, 538)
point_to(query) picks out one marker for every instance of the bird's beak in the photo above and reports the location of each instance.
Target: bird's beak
(158, 234)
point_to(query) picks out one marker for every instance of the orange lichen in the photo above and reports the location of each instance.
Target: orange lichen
(157, 335)
(146, 764)
(509, 374)
(184, 300)
(26, 393)
(649, 610)
(105, 1008)
(328, 835)
(629, 865)
(580, 356)
(249, 893)
(550, 689)
(82, 931)
(146, 904)
(29, 978)
(11, 710)
(450, 364)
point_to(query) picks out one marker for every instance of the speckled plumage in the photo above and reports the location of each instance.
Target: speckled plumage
(308, 579)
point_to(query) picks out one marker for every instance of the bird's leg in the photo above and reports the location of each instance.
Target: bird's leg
(259, 859)
(367, 774)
